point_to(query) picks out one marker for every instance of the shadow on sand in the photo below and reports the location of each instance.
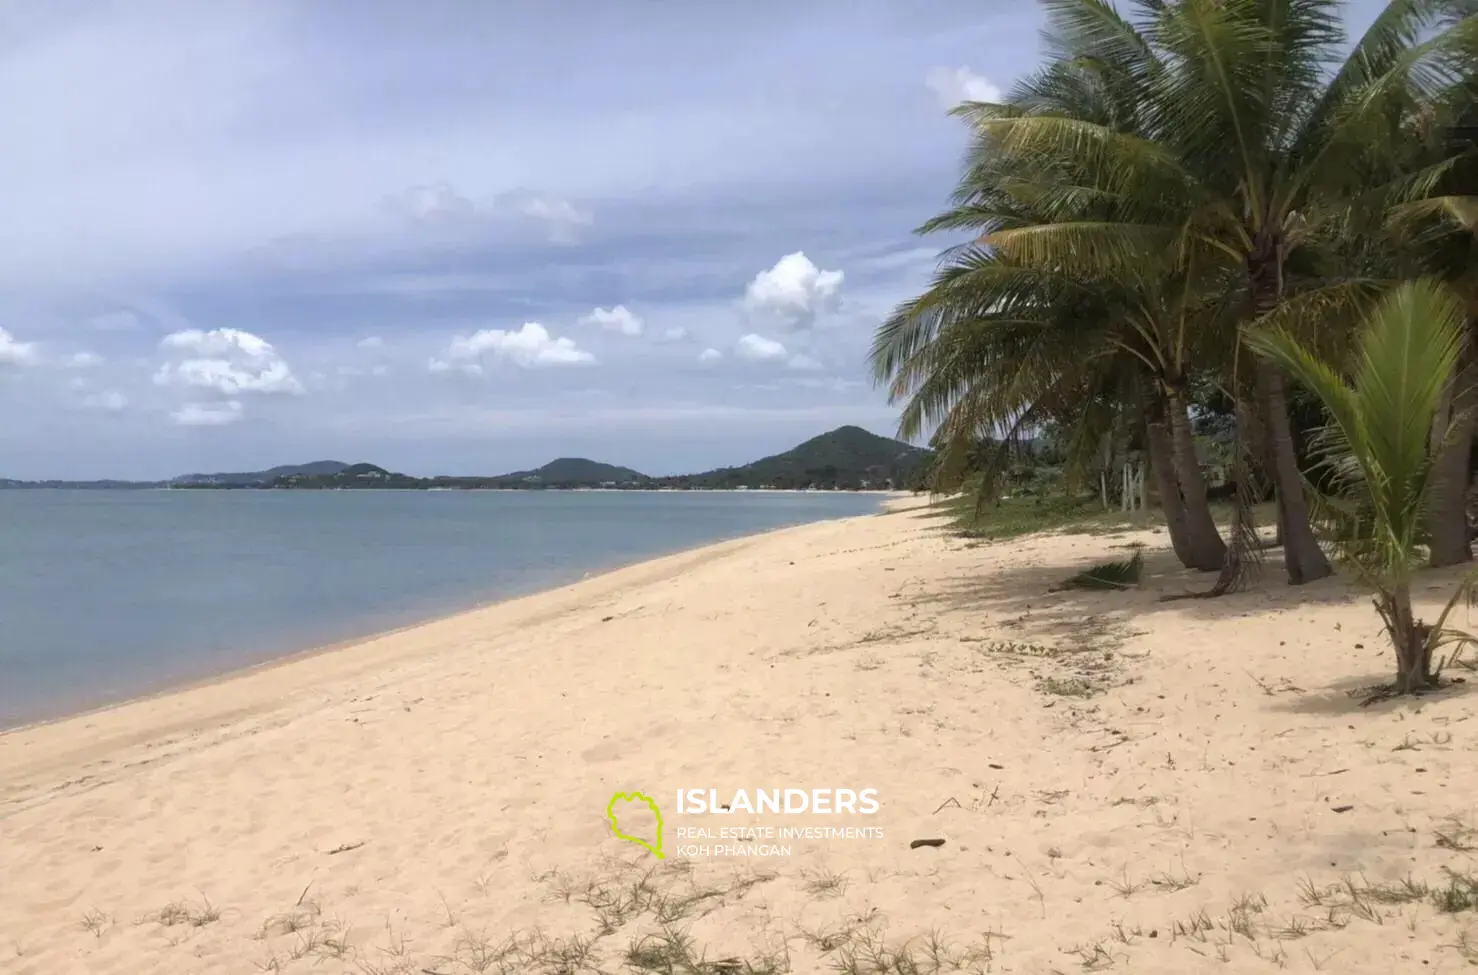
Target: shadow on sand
(1023, 595)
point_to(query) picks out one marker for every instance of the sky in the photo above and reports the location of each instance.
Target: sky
(461, 237)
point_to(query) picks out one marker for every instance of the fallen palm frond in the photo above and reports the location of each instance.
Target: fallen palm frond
(1109, 575)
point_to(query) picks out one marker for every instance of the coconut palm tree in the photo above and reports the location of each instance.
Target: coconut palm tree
(1037, 331)
(1241, 137)
(1380, 455)
(1435, 224)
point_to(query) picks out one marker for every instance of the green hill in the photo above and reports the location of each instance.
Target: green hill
(847, 458)
(575, 472)
(317, 468)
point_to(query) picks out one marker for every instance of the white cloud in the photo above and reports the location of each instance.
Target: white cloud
(957, 85)
(436, 202)
(84, 360)
(675, 334)
(228, 361)
(757, 348)
(207, 414)
(439, 207)
(710, 355)
(114, 321)
(560, 219)
(548, 208)
(795, 291)
(446, 365)
(109, 401)
(14, 352)
(617, 319)
(531, 345)
(371, 342)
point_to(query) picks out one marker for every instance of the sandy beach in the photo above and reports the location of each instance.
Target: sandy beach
(1120, 783)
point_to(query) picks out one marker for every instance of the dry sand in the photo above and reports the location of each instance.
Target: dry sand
(1121, 783)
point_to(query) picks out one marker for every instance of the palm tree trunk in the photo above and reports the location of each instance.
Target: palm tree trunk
(1447, 499)
(1303, 560)
(1162, 466)
(1208, 550)
(1409, 638)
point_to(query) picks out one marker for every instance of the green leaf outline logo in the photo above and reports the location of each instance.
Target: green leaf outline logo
(656, 851)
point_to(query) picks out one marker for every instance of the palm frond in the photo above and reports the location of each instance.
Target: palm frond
(1379, 447)
(1109, 575)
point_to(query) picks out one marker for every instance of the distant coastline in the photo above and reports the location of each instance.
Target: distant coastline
(845, 459)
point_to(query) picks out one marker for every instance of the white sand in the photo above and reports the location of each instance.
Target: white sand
(1165, 825)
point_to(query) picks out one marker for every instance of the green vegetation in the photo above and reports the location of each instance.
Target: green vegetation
(846, 458)
(1178, 182)
(1379, 454)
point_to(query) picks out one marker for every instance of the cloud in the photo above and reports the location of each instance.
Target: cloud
(84, 360)
(955, 86)
(227, 361)
(757, 348)
(109, 401)
(710, 355)
(371, 342)
(616, 319)
(530, 346)
(794, 291)
(560, 220)
(14, 352)
(437, 202)
(675, 334)
(207, 414)
(440, 210)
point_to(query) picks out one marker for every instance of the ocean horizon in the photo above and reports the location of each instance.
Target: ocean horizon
(107, 596)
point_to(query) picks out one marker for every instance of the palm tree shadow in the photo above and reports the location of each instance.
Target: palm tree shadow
(1364, 695)
(1033, 592)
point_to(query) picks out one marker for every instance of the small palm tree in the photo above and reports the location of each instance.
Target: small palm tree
(1380, 454)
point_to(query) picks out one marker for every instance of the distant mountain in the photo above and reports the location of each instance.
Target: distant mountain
(576, 472)
(318, 468)
(846, 459)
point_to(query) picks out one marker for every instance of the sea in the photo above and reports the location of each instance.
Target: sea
(110, 595)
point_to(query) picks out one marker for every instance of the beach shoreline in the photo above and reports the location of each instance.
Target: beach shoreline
(270, 659)
(218, 682)
(1063, 779)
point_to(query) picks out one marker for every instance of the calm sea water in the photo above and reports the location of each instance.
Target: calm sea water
(107, 595)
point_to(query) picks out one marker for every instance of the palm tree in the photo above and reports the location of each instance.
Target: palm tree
(1242, 136)
(1379, 453)
(995, 345)
(1435, 217)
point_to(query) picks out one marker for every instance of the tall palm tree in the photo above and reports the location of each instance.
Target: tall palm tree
(1380, 455)
(1243, 135)
(1036, 330)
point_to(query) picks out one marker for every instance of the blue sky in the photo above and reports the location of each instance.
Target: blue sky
(466, 237)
